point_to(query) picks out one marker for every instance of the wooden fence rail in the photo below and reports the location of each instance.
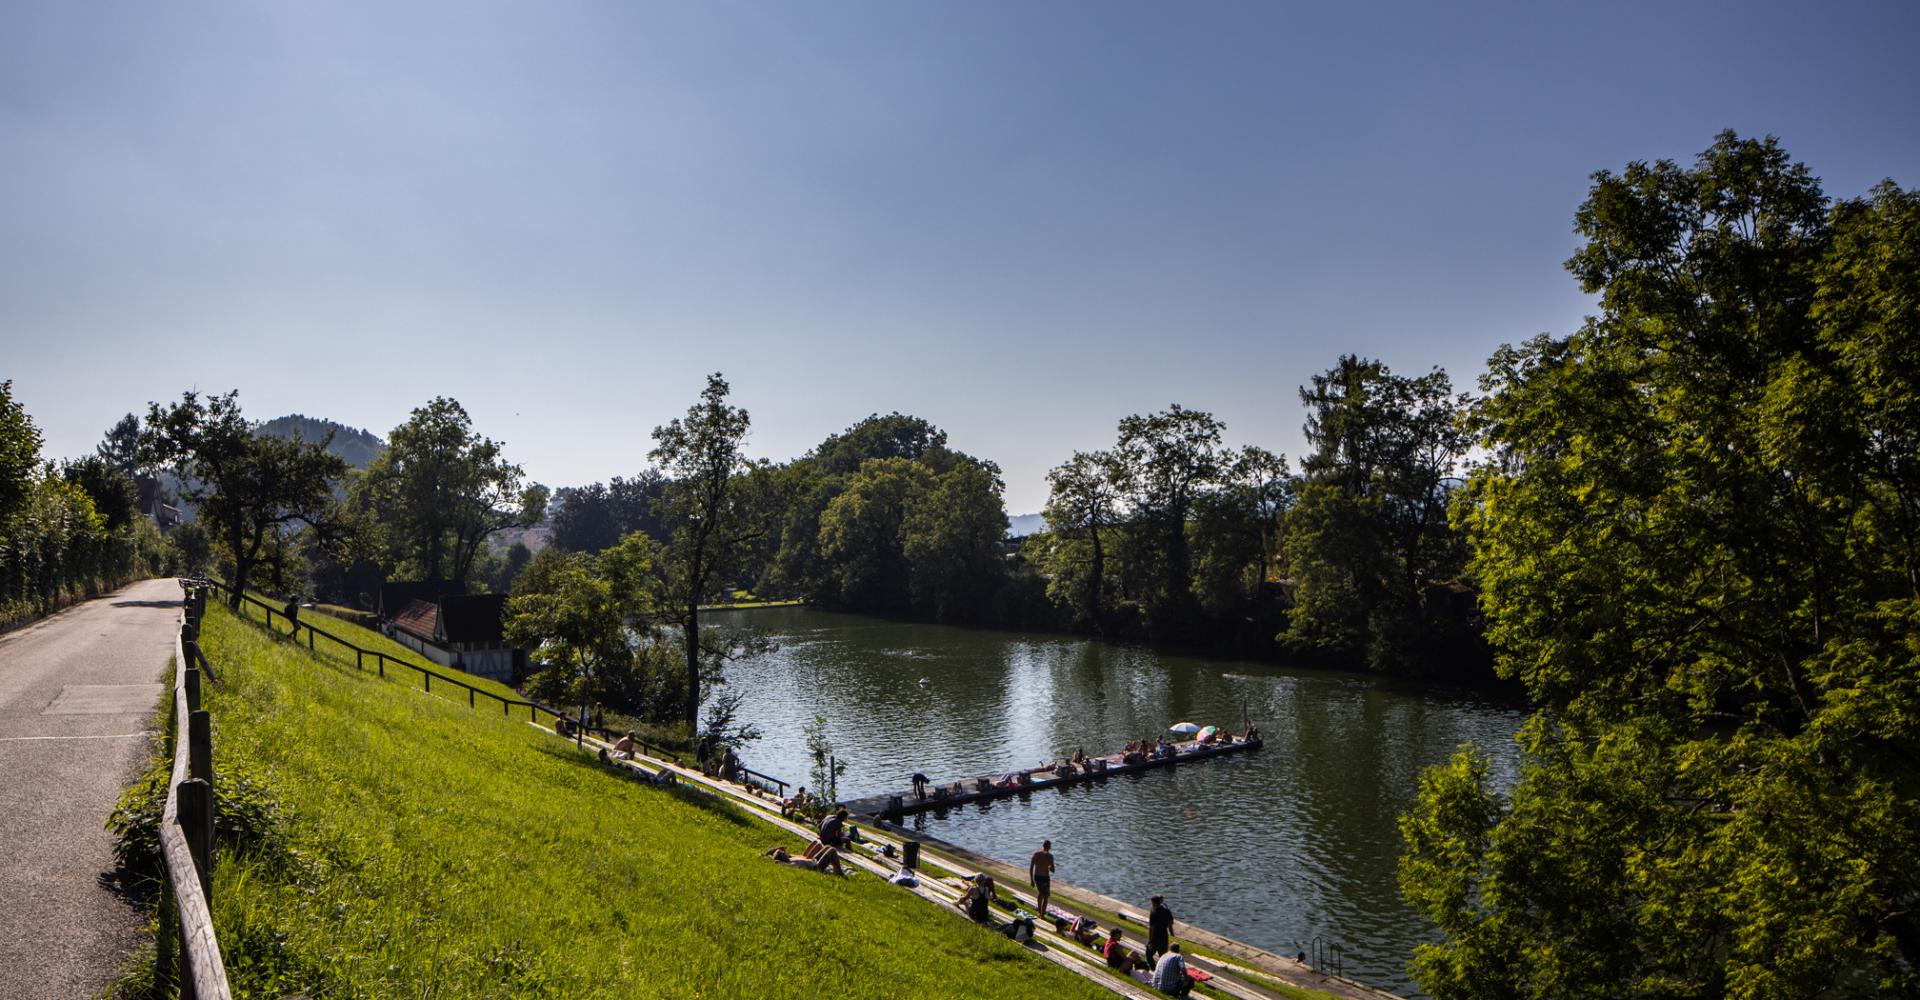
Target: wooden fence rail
(186, 823)
(381, 661)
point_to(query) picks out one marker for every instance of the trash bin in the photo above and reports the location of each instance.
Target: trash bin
(910, 854)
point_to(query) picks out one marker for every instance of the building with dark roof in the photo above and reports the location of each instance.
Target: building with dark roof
(453, 629)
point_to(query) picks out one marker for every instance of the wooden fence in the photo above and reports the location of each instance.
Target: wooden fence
(381, 661)
(186, 824)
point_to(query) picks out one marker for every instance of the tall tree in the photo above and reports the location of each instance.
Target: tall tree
(593, 627)
(250, 488)
(1168, 462)
(19, 453)
(440, 490)
(1697, 546)
(862, 541)
(120, 448)
(110, 489)
(1083, 507)
(1235, 533)
(705, 511)
(951, 535)
(1369, 545)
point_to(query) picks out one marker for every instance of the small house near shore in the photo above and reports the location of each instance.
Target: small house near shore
(442, 622)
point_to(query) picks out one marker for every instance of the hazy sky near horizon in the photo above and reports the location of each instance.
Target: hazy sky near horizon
(1021, 221)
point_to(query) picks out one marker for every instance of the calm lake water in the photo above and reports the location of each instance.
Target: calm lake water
(1276, 847)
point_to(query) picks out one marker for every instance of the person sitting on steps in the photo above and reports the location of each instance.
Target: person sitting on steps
(1117, 954)
(977, 902)
(1170, 976)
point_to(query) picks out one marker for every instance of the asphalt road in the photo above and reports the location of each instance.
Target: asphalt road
(78, 698)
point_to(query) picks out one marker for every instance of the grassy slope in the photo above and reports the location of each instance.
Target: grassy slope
(372, 640)
(440, 851)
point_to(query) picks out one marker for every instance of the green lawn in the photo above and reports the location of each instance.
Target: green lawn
(431, 850)
(370, 639)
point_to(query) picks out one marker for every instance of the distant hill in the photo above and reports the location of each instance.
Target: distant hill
(1025, 524)
(356, 446)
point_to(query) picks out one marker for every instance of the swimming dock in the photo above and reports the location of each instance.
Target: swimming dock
(986, 788)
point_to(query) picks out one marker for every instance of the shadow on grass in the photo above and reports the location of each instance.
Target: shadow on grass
(691, 794)
(148, 604)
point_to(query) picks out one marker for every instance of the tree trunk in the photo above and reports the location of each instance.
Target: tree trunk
(1094, 582)
(692, 633)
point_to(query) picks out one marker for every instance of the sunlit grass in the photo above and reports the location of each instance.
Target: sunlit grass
(434, 850)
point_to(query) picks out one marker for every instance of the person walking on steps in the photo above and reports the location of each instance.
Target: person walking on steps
(1159, 928)
(1040, 873)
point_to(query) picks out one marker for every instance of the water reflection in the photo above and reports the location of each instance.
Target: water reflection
(1295, 841)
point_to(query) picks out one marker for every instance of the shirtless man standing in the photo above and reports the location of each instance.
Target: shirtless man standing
(1040, 872)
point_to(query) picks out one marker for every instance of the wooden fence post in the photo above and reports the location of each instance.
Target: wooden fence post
(192, 675)
(200, 745)
(196, 821)
(199, 658)
(359, 658)
(469, 697)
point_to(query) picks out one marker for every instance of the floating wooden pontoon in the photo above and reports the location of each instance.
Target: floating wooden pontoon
(959, 793)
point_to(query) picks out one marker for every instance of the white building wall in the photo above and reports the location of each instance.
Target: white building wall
(493, 664)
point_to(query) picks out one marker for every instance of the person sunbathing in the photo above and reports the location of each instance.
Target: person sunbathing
(824, 860)
(623, 748)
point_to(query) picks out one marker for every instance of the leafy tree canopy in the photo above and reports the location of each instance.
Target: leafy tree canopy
(440, 490)
(251, 489)
(19, 452)
(705, 510)
(1369, 548)
(1698, 543)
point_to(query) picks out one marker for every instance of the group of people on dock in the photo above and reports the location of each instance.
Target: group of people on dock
(1080, 763)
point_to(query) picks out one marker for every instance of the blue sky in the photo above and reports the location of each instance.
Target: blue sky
(1020, 221)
